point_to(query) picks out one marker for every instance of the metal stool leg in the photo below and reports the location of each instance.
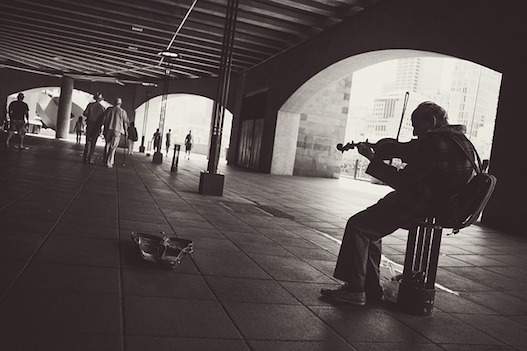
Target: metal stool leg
(416, 292)
(434, 257)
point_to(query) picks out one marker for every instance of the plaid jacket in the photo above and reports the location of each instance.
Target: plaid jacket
(436, 169)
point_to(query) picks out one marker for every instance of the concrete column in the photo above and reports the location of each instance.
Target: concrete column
(64, 113)
(285, 140)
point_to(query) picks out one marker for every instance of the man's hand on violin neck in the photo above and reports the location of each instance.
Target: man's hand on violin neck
(365, 150)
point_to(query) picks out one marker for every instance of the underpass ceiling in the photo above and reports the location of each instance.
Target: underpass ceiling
(119, 40)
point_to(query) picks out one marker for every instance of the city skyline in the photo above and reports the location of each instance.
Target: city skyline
(469, 93)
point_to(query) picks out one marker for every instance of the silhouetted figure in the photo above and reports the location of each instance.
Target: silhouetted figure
(132, 138)
(115, 124)
(188, 144)
(436, 169)
(157, 140)
(94, 114)
(79, 129)
(19, 120)
(167, 140)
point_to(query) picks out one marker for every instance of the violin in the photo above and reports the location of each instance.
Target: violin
(385, 148)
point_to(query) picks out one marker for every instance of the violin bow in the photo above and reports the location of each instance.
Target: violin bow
(405, 102)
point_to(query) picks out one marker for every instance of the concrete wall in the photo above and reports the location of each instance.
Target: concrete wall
(322, 126)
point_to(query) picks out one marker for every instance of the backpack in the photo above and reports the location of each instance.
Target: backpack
(465, 207)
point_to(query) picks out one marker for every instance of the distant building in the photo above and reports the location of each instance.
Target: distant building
(475, 96)
(472, 101)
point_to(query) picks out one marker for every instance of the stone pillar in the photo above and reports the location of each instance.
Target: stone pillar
(64, 112)
(322, 126)
(285, 140)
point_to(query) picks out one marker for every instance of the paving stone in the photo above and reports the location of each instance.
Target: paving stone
(143, 343)
(60, 312)
(367, 324)
(155, 316)
(443, 328)
(502, 328)
(61, 341)
(396, 347)
(228, 264)
(289, 269)
(82, 251)
(93, 230)
(279, 322)
(9, 272)
(300, 346)
(499, 302)
(165, 283)
(250, 290)
(22, 245)
(40, 276)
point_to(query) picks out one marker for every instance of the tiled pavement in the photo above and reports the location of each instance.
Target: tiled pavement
(71, 278)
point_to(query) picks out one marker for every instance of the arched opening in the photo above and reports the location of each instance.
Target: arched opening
(43, 108)
(184, 113)
(331, 107)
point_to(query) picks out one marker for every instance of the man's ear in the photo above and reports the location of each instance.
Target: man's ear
(433, 121)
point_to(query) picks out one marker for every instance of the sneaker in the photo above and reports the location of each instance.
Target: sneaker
(343, 294)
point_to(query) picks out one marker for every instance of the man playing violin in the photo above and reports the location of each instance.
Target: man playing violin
(436, 168)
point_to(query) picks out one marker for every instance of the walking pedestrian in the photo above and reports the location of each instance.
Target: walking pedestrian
(115, 123)
(132, 138)
(157, 141)
(19, 120)
(188, 144)
(167, 140)
(79, 129)
(94, 114)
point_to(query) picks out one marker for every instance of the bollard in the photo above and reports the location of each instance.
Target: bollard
(175, 158)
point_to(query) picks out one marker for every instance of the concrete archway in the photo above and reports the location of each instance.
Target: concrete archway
(184, 112)
(313, 120)
(44, 102)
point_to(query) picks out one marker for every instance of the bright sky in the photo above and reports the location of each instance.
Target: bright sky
(370, 81)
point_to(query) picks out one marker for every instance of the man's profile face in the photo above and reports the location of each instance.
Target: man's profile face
(421, 124)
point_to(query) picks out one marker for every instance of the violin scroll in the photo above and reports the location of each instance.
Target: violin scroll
(346, 147)
(352, 145)
(384, 148)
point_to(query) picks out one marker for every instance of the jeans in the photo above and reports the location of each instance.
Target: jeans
(112, 142)
(92, 134)
(359, 260)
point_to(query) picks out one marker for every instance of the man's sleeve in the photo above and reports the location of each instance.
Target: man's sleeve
(101, 112)
(86, 112)
(104, 119)
(385, 173)
(125, 121)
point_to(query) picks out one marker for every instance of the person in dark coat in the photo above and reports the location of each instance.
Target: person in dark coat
(132, 137)
(436, 168)
(19, 120)
(94, 114)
